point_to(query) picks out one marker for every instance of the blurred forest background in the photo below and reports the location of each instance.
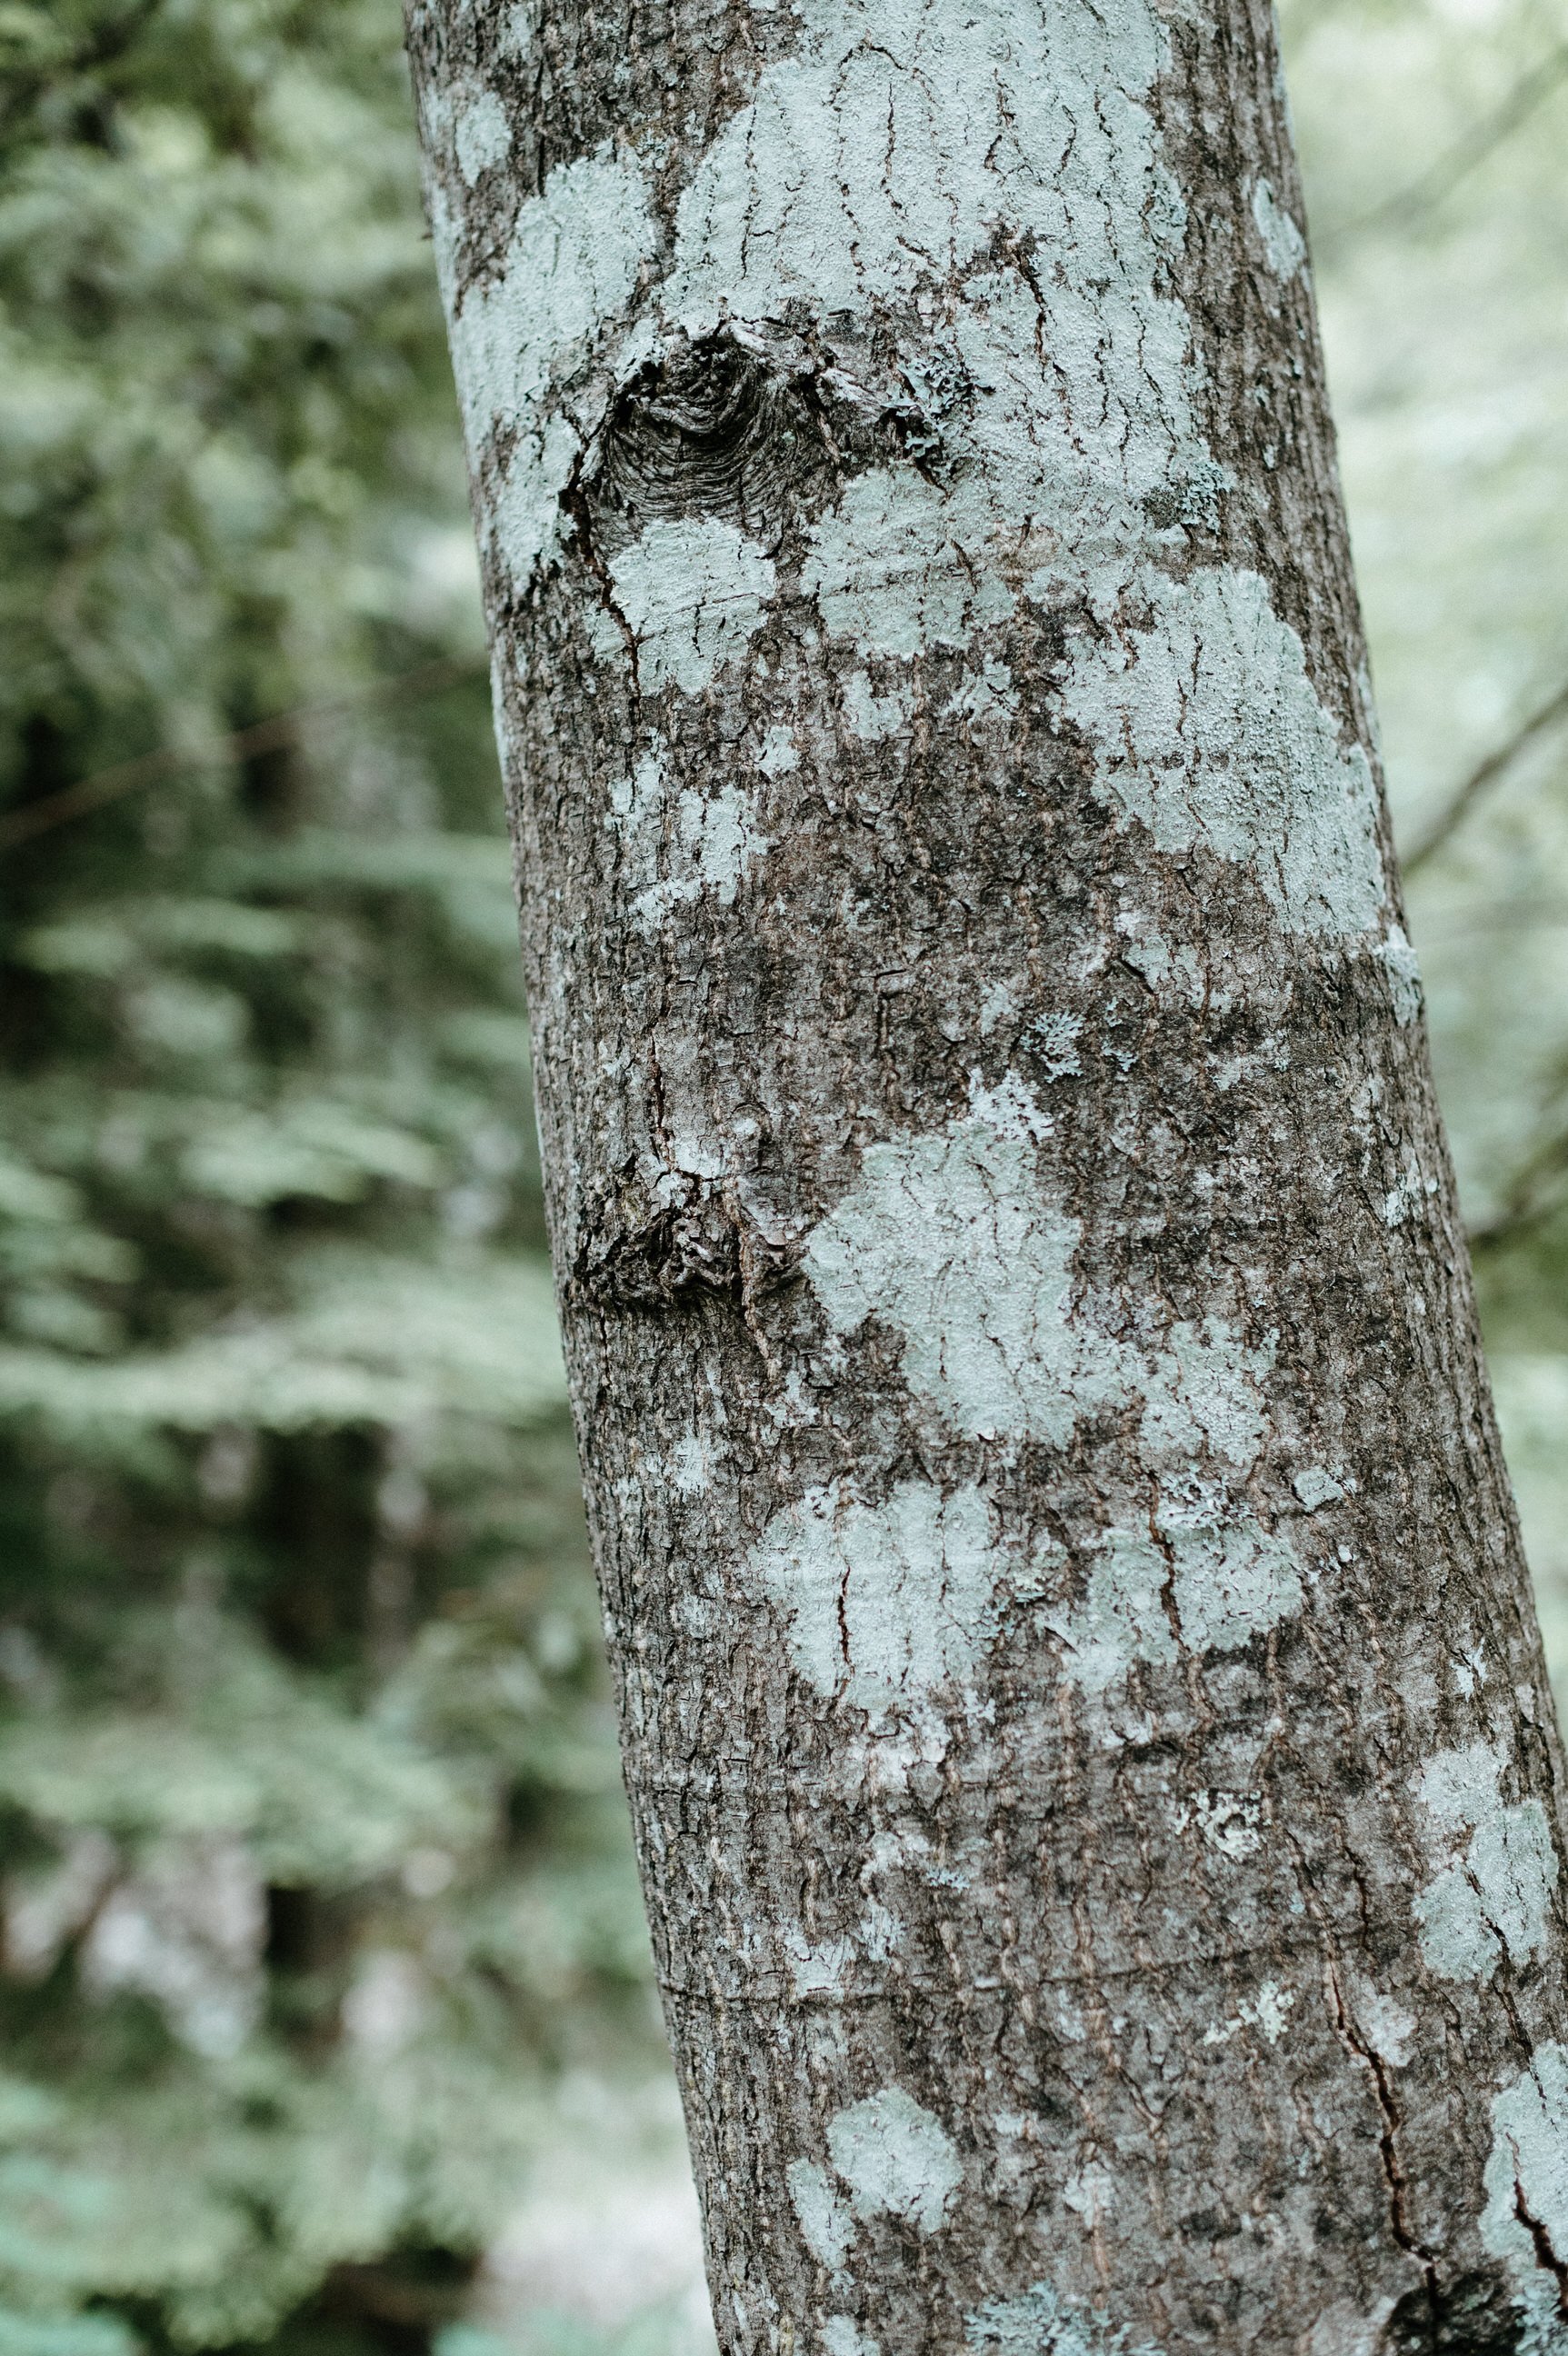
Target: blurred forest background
(324, 1994)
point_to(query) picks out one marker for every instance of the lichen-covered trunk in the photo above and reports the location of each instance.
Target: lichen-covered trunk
(1098, 1798)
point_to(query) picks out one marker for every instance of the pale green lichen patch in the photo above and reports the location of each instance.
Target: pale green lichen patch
(1527, 2170)
(842, 2336)
(1214, 1588)
(898, 2160)
(818, 1968)
(952, 1241)
(1388, 2026)
(890, 152)
(1039, 2323)
(1208, 730)
(1122, 1617)
(870, 716)
(986, 695)
(1284, 248)
(1496, 1897)
(1229, 1823)
(779, 753)
(1403, 967)
(886, 1603)
(826, 2226)
(1231, 1585)
(1090, 2191)
(524, 524)
(1268, 2012)
(1455, 1787)
(1053, 1040)
(573, 261)
(889, 568)
(895, 142)
(1210, 1396)
(716, 837)
(901, 563)
(692, 593)
(483, 135)
(684, 848)
(520, 27)
(947, 1238)
(1159, 960)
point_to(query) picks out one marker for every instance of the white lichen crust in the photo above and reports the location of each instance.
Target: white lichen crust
(1087, 1747)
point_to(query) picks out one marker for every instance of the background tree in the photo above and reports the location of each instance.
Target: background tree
(315, 1871)
(1429, 139)
(1088, 1744)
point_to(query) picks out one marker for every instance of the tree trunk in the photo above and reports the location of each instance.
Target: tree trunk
(1094, 1778)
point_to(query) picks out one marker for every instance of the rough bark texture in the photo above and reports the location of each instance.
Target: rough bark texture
(1084, 1720)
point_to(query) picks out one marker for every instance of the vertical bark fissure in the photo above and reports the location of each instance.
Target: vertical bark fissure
(1545, 2255)
(1388, 2139)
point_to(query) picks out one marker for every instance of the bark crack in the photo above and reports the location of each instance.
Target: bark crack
(1546, 2256)
(1404, 2233)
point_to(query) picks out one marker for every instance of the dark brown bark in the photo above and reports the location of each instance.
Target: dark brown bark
(1094, 1778)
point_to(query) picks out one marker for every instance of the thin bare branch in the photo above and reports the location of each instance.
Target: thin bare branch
(1422, 196)
(18, 826)
(1463, 800)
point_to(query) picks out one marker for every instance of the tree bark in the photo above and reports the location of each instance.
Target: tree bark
(1091, 1766)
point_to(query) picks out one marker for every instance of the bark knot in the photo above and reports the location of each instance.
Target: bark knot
(703, 1242)
(749, 431)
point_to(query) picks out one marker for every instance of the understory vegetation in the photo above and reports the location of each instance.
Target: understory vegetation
(321, 1938)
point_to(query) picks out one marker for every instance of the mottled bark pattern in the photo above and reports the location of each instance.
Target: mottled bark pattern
(1084, 1722)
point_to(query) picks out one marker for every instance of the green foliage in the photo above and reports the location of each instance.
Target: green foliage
(316, 1876)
